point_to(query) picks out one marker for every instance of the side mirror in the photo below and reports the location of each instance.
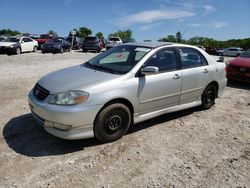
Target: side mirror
(220, 59)
(149, 70)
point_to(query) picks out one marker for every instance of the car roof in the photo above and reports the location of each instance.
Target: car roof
(149, 44)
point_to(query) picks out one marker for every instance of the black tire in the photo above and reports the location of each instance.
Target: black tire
(84, 51)
(35, 49)
(112, 122)
(208, 97)
(18, 51)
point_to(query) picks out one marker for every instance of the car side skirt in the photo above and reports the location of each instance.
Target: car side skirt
(139, 118)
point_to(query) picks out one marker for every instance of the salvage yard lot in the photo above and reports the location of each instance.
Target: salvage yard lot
(191, 148)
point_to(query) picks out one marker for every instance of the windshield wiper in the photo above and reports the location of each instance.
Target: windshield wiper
(101, 68)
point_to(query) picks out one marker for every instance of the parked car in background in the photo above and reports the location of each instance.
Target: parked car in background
(201, 47)
(2, 38)
(57, 45)
(43, 38)
(210, 50)
(91, 44)
(77, 42)
(127, 84)
(233, 51)
(219, 51)
(239, 68)
(113, 41)
(18, 45)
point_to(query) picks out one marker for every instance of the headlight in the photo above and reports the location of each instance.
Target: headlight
(69, 98)
(12, 46)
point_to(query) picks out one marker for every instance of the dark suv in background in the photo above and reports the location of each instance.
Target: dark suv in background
(91, 44)
(77, 42)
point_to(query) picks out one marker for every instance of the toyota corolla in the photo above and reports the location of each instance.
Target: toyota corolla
(125, 85)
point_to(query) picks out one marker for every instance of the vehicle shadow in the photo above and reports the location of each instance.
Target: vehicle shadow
(26, 137)
(238, 85)
(161, 119)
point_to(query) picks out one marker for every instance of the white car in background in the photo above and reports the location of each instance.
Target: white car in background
(113, 41)
(233, 51)
(17, 45)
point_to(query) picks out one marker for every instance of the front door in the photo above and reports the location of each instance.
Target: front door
(162, 90)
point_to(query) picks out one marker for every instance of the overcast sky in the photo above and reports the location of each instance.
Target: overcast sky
(148, 19)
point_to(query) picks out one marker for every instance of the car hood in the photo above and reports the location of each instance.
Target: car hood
(241, 62)
(7, 43)
(74, 78)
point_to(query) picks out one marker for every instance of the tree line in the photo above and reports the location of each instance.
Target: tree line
(127, 36)
(207, 42)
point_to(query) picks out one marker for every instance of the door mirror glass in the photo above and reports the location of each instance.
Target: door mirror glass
(149, 70)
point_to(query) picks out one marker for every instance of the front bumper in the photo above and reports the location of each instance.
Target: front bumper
(6, 49)
(243, 77)
(80, 118)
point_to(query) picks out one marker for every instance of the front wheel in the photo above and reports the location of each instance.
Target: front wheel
(112, 122)
(208, 96)
(18, 51)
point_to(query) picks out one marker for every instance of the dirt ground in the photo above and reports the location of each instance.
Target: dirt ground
(191, 148)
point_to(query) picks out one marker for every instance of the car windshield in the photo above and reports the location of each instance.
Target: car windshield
(45, 37)
(54, 41)
(12, 39)
(118, 60)
(245, 54)
(114, 39)
(90, 39)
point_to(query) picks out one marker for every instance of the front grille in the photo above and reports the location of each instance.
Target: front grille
(40, 93)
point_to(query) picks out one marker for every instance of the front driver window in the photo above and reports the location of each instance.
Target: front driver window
(164, 59)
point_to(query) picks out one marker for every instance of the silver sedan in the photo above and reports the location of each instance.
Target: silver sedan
(125, 85)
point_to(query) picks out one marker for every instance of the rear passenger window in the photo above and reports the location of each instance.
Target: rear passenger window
(191, 58)
(164, 59)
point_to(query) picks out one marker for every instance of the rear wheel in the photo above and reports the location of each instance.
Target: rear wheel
(112, 122)
(208, 96)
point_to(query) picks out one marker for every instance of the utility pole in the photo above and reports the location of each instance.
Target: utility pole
(72, 38)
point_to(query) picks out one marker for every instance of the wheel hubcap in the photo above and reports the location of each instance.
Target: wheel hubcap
(209, 96)
(113, 123)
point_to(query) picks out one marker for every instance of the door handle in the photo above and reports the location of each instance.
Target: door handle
(176, 76)
(205, 71)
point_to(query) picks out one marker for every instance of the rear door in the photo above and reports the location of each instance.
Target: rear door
(162, 90)
(195, 72)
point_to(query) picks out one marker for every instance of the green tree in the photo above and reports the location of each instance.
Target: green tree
(169, 38)
(125, 35)
(100, 35)
(178, 37)
(9, 32)
(84, 32)
(51, 32)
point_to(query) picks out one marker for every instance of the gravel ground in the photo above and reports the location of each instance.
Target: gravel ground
(191, 148)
